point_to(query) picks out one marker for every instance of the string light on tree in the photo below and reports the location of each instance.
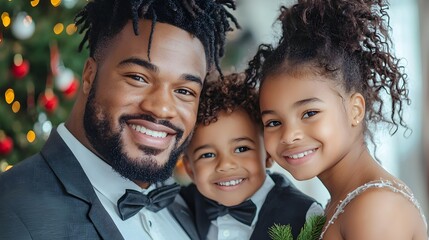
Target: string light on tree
(5, 18)
(34, 3)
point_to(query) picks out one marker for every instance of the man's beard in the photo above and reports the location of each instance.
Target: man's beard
(108, 144)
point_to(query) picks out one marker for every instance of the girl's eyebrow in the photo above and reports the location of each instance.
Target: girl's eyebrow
(306, 101)
(295, 105)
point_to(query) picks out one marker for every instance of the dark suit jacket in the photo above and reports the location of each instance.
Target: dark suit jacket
(284, 204)
(48, 196)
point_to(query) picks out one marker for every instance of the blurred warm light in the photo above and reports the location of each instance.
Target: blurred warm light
(31, 136)
(55, 3)
(34, 3)
(58, 28)
(27, 21)
(16, 106)
(9, 95)
(17, 59)
(71, 28)
(5, 19)
(4, 166)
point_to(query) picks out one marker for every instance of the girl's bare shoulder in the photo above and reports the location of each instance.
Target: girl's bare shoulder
(383, 210)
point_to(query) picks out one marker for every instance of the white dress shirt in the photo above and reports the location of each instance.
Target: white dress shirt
(227, 228)
(110, 186)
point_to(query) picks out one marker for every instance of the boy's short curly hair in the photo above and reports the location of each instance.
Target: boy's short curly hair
(228, 95)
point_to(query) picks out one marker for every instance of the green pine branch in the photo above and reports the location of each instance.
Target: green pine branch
(312, 228)
(310, 231)
(280, 232)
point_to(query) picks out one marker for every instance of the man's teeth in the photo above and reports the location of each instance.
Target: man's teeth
(230, 183)
(300, 155)
(149, 132)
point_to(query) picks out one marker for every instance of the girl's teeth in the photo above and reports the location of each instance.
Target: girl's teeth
(149, 132)
(230, 183)
(300, 155)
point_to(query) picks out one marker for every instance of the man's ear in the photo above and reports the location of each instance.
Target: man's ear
(357, 109)
(188, 167)
(88, 75)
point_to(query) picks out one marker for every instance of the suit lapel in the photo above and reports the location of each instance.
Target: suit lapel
(197, 205)
(76, 183)
(182, 214)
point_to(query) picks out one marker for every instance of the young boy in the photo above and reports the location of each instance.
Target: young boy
(232, 195)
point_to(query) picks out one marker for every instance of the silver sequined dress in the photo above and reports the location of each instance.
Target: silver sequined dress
(393, 186)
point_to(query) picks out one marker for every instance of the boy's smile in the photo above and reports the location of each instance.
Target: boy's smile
(226, 159)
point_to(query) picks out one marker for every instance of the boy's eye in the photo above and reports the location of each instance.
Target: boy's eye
(309, 114)
(207, 155)
(241, 149)
(272, 124)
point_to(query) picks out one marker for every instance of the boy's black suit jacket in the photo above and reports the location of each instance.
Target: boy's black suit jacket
(284, 204)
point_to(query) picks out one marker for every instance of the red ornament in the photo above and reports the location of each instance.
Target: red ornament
(49, 101)
(20, 70)
(71, 90)
(6, 145)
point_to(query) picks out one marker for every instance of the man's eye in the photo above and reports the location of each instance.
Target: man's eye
(137, 78)
(241, 149)
(309, 114)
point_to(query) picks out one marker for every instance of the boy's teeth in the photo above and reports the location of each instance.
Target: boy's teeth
(230, 183)
(300, 155)
(149, 132)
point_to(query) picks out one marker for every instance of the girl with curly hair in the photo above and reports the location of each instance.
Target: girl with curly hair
(321, 87)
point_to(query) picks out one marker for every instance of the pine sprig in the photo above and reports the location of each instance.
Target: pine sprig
(312, 228)
(310, 231)
(280, 232)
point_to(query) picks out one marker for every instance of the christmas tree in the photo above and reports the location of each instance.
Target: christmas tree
(40, 69)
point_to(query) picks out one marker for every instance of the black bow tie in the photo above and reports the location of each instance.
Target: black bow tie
(243, 212)
(133, 201)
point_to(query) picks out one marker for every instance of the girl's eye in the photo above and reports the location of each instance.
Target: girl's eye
(241, 149)
(207, 155)
(272, 124)
(309, 114)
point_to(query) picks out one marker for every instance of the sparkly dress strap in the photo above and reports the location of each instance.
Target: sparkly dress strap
(393, 186)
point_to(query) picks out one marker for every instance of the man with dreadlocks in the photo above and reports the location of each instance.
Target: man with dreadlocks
(106, 172)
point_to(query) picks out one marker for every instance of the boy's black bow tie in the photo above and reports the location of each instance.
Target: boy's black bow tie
(133, 201)
(243, 212)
